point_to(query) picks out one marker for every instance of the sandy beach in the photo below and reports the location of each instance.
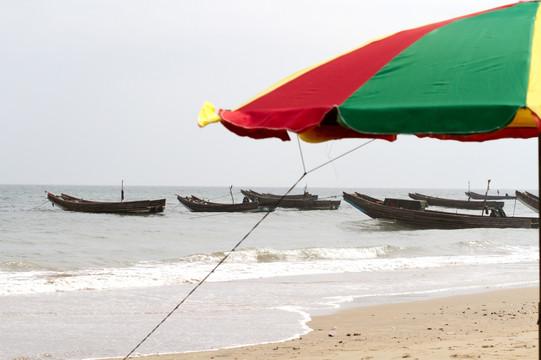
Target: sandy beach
(491, 325)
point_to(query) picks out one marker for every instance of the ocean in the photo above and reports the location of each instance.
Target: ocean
(85, 286)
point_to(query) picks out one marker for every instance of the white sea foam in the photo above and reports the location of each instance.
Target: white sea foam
(245, 264)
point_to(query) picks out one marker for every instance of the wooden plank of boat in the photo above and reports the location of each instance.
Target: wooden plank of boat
(304, 196)
(436, 219)
(196, 204)
(291, 203)
(528, 199)
(477, 196)
(72, 203)
(457, 204)
(405, 204)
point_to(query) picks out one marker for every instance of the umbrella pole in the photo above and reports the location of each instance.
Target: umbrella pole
(538, 189)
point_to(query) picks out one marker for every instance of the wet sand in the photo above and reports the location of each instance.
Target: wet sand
(498, 324)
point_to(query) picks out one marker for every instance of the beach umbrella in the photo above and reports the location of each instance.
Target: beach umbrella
(472, 78)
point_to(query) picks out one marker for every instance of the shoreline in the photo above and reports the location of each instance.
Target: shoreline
(496, 324)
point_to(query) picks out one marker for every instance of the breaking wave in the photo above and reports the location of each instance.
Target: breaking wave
(241, 264)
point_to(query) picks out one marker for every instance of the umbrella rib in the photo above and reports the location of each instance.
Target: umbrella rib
(300, 151)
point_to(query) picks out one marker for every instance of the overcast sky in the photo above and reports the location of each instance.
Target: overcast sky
(93, 92)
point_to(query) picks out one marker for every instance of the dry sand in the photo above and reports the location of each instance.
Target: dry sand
(493, 325)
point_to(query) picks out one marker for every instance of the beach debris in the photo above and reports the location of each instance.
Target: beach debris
(332, 333)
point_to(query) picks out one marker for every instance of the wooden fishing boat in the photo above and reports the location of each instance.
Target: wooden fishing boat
(477, 196)
(304, 203)
(196, 204)
(528, 199)
(72, 203)
(457, 204)
(421, 218)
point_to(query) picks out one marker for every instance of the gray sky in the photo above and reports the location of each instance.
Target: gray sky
(93, 92)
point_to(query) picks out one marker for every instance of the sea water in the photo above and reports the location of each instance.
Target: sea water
(78, 286)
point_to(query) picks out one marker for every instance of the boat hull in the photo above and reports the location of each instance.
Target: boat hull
(478, 196)
(435, 219)
(70, 203)
(306, 203)
(195, 204)
(528, 199)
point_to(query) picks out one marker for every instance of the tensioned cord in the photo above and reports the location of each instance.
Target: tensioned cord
(242, 240)
(340, 156)
(213, 269)
(35, 207)
(208, 215)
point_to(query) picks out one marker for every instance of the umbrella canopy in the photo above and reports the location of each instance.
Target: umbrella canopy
(471, 78)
